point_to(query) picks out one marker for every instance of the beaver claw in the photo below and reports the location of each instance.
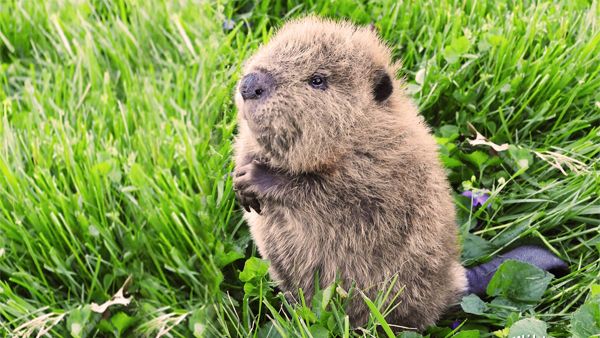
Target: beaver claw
(257, 182)
(245, 191)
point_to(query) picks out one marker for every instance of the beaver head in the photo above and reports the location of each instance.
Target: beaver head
(304, 95)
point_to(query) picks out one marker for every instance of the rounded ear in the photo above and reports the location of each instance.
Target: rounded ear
(382, 85)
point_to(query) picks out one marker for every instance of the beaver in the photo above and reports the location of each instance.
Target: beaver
(339, 175)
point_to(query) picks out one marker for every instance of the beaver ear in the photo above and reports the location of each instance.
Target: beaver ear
(382, 86)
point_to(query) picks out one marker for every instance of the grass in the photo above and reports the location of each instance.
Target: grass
(116, 128)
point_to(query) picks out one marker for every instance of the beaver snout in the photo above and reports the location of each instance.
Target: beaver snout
(256, 86)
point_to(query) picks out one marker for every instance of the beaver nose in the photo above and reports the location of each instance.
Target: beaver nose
(256, 85)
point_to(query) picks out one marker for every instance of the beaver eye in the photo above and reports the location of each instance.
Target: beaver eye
(318, 82)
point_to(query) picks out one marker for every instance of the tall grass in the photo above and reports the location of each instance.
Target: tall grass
(116, 129)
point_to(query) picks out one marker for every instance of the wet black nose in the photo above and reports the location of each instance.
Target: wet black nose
(256, 85)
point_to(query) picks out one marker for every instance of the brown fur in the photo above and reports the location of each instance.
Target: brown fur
(355, 186)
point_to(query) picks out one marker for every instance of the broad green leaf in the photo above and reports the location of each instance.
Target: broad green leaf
(449, 131)
(223, 256)
(585, 322)
(457, 48)
(461, 45)
(521, 156)
(451, 162)
(317, 331)
(519, 282)
(478, 158)
(473, 304)
(254, 268)
(121, 321)
(506, 308)
(529, 327)
(321, 299)
(77, 321)
(475, 247)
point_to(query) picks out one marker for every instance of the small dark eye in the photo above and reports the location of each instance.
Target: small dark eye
(318, 82)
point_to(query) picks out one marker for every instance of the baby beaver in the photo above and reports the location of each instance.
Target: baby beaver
(340, 175)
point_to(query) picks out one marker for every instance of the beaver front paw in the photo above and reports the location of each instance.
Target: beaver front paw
(256, 182)
(244, 187)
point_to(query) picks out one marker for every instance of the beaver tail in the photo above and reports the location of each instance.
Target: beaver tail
(479, 276)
